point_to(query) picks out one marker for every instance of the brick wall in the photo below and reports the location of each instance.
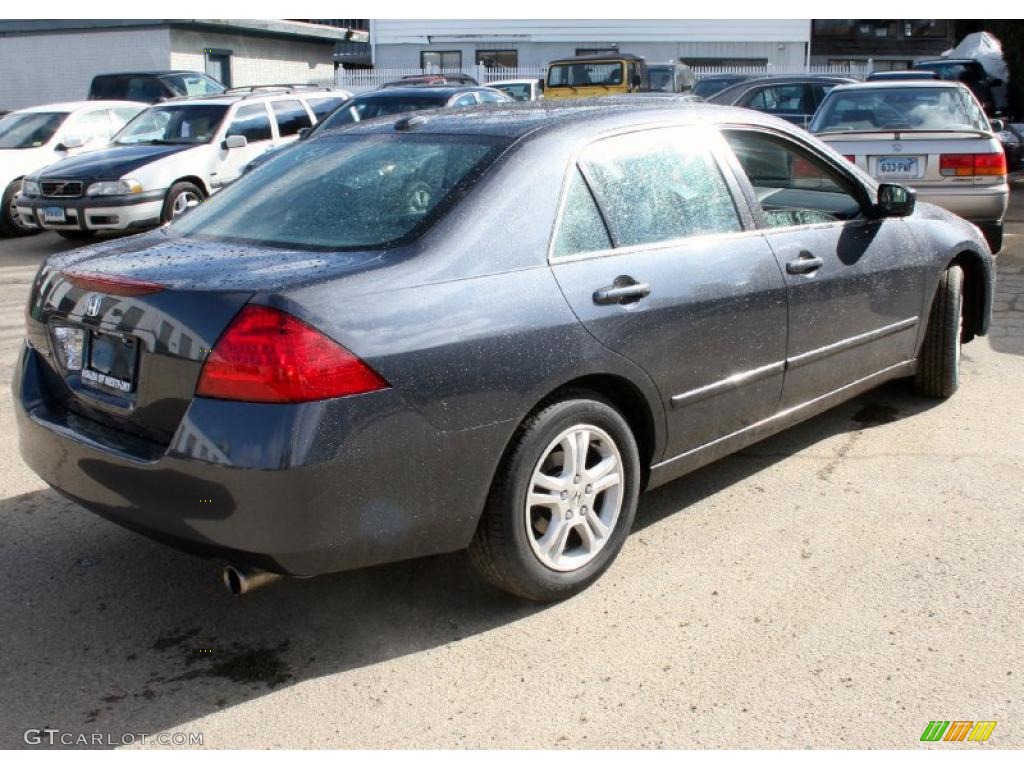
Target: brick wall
(256, 60)
(58, 66)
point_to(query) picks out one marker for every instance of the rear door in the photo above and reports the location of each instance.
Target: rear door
(856, 283)
(657, 261)
(291, 117)
(253, 122)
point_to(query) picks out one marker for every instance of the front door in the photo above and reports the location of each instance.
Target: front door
(662, 270)
(856, 283)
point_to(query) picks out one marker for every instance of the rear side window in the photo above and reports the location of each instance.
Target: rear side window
(659, 185)
(291, 117)
(581, 228)
(323, 107)
(780, 99)
(466, 100)
(346, 192)
(252, 122)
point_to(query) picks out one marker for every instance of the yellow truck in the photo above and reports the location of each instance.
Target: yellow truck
(580, 77)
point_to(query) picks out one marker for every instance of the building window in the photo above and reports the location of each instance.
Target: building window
(218, 65)
(597, 51)
(705, 61)
(503, 58)
(440, 59)
(854, 28)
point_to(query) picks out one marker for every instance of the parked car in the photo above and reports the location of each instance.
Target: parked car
(932, 135)
(906, 74)
(439, 79)
(345, 358)
(708, 85)
(168, 159)
(523, 89)
(39, 136)
(152, 87)
(580, 77)
(393, 101)
(1012, 139)
(670, 78)
(969, 72)
(793, 97)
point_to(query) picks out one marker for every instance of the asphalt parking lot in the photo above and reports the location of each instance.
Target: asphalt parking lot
(839, 585)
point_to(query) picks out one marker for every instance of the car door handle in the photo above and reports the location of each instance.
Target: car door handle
(624, 290)
(805, 264)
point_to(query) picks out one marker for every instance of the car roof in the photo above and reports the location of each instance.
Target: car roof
(517, 119)
(255, 96)
(151, 73)
(513, 81)
(599, 57)
(441, 91)
(72, 106)
(885, 84)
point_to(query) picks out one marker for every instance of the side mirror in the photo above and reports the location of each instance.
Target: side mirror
(895, 200)
(998, 126)
(304, 132)
(71, 142)
(235, 141)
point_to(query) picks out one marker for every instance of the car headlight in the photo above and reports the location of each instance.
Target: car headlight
(30, 188)
(120, 187)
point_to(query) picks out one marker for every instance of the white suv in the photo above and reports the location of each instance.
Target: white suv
(168, 159)
(38, 136)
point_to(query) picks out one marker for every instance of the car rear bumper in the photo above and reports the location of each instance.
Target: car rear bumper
(96, 214)
(976, 204)
(297, 489)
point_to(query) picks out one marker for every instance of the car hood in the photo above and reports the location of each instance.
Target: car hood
(112, 162)
(211, 265)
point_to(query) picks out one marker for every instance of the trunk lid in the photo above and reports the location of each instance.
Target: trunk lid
(124, 327)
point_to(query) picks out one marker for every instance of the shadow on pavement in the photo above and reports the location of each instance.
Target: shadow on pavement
(107, 632)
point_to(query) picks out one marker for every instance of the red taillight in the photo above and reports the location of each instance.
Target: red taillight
(991, 164)
(851, 158)
(112, 284)
(268, 356)
(988, 164)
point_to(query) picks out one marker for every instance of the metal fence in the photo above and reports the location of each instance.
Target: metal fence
(358, 80)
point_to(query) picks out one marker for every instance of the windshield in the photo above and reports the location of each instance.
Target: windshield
(585, 73)
(29, 129)
(345, 192)
(518, 91)
(174, 124)
(356, 111)
(660, 78)
(192, 84)
(902, 109)
(710, 86)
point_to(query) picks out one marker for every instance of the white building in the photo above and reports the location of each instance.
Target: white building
(461, 43)
(49, 61)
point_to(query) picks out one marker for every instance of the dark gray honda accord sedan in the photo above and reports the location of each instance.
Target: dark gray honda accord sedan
(488, 328)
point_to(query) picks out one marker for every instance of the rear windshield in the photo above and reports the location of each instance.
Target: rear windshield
(585, 73)
(345, 192)
(356, 111)
(29, 129)
(660, 78)
(174, 124)
(711, 86)
(904, 109)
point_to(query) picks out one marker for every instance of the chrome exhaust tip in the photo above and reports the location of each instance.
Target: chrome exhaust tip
(241, 580)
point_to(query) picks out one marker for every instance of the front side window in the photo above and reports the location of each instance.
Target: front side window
(581, 74)
(898, 108)
(291, 116)
(489, 97)
(251, 121)
(174, 124)
(581, 228)
(345, 192)
(793, 186)
(324, 106)
(29, 129)
(661, 185)
(466, 100)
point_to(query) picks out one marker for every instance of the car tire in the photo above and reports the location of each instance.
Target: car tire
(515, 548)
(178, 198)
(938, 365)
(10, 222)
(76, 234)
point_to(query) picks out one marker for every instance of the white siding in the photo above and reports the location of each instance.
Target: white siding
(421, 31)
(256, 60)
(59, 66)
